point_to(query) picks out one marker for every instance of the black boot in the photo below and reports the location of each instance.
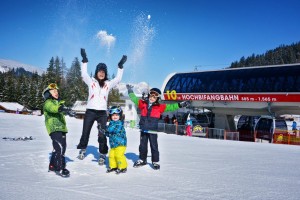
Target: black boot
(102, 158)
(111, 170)
(139, 163)
(119, 171)
(156, 166)
(81, 155)
(63, 173)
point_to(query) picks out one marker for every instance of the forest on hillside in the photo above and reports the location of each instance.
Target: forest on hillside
(284, 54)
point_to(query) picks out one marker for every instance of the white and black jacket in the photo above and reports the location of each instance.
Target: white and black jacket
(98, 96)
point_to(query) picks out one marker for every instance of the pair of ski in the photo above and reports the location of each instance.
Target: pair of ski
(18, 138)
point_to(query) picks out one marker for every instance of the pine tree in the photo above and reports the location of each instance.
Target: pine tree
(40, 82)
(57, 71)
(63, 73)
(50, 74)
(2, 82)
(76, 89)
(22, 87)
(35, 92)
(44, 82)
(9, 87)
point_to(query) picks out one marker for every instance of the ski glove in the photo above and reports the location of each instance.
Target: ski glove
(129, 88)
(144, 97)
(67, 111)
(184, 104)
(83, 55)
(122, 61)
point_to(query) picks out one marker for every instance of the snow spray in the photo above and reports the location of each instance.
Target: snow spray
(142, 35)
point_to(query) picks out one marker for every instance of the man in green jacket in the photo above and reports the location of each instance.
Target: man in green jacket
(54, 111)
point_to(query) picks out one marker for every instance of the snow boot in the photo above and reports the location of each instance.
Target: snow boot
(111, 170)
(139, 163)
(63, 173)
(101, 160)
(82, 153)
(119, 171)
(156, 166)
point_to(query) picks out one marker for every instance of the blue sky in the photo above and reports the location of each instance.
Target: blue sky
(159, 37)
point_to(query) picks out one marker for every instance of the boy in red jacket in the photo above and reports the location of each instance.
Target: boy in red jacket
(151, 111)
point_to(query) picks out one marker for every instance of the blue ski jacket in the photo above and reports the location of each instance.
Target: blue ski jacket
(117, 134)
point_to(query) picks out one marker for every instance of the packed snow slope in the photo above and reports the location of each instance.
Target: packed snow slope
(191, 168)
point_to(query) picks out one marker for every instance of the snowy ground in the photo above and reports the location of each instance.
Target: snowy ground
(191, 168)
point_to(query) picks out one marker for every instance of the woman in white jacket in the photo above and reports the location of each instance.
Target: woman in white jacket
(96, 110)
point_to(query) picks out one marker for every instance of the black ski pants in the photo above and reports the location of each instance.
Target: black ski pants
(90, 117)
(59, 143)
(143, 148)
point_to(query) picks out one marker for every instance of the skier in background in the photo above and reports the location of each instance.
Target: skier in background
(54, 110)
(189, 125)
(99, 87)
(294, 126)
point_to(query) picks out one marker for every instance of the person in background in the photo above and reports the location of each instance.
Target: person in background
(117, 140)
(54, 110)
(175, 122)
(151, 110)
(99, 87)
(294, 126)
(189, 125)
(167, 119)
(174, 119)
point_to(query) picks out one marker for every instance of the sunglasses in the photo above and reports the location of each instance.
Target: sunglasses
(115, 111)
(153, 94)
(52, 86)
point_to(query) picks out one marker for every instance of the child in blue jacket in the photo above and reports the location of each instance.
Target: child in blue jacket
(117, 141)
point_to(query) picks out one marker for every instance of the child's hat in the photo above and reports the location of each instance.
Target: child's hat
(115, 110)
(46, 93)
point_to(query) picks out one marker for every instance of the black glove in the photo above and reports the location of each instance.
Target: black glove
(67, 111)
(83, 55)
(129, 88)
(71, 113)
(144, 97)
(184, 104)
(122, 61)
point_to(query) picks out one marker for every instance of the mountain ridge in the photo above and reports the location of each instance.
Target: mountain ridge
(6, 65)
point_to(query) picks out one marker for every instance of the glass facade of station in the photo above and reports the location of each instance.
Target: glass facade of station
(243, 80)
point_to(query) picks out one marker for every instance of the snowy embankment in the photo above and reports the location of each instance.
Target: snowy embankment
(191, 168)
